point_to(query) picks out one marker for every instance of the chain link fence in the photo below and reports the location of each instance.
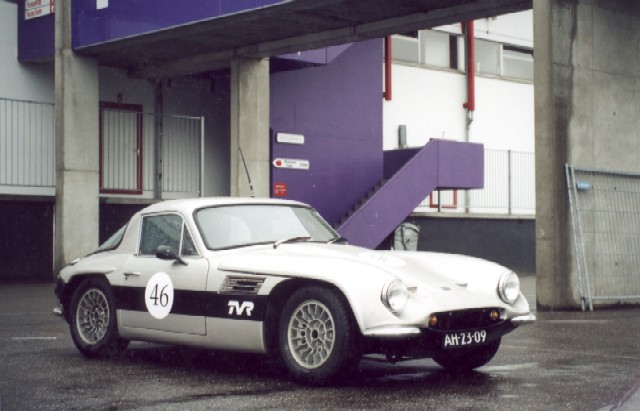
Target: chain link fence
(606, 233)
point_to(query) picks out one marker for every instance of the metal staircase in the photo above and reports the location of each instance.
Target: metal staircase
(441, 164)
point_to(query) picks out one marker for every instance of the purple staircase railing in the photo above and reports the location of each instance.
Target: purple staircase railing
(441, 164)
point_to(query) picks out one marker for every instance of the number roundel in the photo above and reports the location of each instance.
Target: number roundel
(158, 295)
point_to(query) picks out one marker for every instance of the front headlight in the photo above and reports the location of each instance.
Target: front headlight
(395, 295)
(509, 287)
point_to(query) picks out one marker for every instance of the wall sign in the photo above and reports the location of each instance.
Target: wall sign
(291, 163)
(290, 138)
(38, 8)
(280, 189)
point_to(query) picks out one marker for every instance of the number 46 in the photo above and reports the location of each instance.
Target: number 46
(162, 298)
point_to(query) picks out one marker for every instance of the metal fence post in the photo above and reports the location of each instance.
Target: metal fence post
(509, 188)
(201, 156)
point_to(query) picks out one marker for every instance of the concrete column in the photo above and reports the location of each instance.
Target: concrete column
(587, 85)
(76, 111)
(250, 126)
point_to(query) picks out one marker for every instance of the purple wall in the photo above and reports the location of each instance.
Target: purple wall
(125, 18)
(338, 109)
(122, 18)
(35, 36)
(394, 160)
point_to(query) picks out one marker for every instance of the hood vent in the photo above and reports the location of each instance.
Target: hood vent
(241, 285)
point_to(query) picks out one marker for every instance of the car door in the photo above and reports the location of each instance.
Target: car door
(160, 293)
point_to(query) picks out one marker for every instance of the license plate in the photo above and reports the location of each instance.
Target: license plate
(464, 339)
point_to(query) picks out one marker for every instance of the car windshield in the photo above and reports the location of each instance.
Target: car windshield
(113, 242)
(240, 225)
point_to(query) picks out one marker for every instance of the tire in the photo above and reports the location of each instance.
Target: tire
(93, 322)
(467, 359)
(317, 338)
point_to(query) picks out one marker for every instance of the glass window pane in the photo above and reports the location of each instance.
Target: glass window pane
(405, 49)
(240, 225)
(436, 48)
(518, 64)
(160, 230)
(187, 244)
(487, 57)
(114, 241)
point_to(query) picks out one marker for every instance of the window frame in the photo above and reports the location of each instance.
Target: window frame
(183, 228)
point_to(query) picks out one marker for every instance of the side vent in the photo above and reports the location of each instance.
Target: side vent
(241, 285)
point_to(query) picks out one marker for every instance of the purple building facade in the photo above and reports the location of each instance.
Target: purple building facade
(337, 107)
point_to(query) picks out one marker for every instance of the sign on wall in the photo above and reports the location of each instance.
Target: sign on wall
(287, 138)
(291, 163)
(38, 8)
(280, 189)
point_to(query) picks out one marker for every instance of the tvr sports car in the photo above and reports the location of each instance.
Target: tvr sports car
(273, 277)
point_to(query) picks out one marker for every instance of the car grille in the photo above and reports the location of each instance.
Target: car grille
(466, 319)
(241, 285)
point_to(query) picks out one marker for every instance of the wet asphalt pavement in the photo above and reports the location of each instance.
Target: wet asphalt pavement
(570, 360)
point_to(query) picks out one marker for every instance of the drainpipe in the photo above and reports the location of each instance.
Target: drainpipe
(470, 105)
(387, 68)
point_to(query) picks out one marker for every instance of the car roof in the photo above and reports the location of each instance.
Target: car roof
(187, 206)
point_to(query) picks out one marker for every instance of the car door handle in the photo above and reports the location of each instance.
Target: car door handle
(132, 274)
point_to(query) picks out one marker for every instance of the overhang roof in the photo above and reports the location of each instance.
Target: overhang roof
(285, 27)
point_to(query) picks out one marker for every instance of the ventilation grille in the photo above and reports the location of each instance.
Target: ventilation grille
(241, 285)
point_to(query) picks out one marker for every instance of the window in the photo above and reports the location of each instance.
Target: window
(405, 49)
(241, 225)
(487, 57)
(517, 62)
(188, 249)
(433, 48)
(436, 48)
(160, 230)
(114, 241)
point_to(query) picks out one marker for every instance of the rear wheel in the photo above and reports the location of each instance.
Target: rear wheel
(467, 359)
(317, 338)
(93, 322)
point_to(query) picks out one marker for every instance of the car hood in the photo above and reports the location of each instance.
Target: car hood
(416, 269)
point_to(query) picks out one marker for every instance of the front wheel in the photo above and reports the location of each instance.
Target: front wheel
(317, 337)
(93, 322)
(467, 359)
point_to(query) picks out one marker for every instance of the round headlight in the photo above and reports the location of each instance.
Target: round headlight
(509, 287)
(395, 295)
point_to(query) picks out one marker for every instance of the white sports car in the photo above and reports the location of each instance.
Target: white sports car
(273, 277)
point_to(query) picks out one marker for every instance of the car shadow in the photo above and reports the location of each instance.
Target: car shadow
(422, 373)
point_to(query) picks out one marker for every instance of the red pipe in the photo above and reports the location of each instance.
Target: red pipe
(471, 64)
(387, 68)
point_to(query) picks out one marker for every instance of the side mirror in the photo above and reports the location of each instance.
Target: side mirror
(164, 252)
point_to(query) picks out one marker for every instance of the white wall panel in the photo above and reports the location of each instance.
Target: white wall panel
(429, 102)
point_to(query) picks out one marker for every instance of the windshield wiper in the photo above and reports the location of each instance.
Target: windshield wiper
(336, 239)
(290, 240)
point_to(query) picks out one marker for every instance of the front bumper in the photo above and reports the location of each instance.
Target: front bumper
(59, 292)
(415, 342)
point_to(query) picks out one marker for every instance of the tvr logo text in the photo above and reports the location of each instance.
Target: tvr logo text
(238, 308)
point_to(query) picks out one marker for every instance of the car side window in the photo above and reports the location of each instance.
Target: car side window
(188, 249)
(160, 230)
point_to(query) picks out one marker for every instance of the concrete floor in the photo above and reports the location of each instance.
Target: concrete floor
(570, 360)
